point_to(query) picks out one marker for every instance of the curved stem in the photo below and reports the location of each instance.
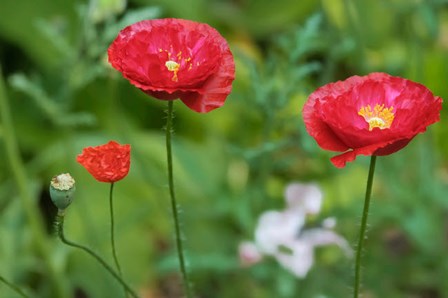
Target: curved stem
(18, 173)
(13, 287)
(174, 206)
(362, 230)
(60, 230)
(112, 231)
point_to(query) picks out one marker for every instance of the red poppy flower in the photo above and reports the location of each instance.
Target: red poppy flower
(174, 58)
(377, 114)
(106, 163)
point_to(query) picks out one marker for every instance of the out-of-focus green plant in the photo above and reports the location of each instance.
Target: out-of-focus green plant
(230, 165)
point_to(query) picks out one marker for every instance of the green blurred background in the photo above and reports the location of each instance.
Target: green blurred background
(231, 164)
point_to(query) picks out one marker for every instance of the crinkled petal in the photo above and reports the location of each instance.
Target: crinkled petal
(319, 130)
(332, 115)
(106, 163)
(201, 69)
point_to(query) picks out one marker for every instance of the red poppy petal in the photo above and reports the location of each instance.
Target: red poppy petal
(218, 88)
(332, 115)
(339, 161)
(106, 163)
(172, 58)
(319, 130)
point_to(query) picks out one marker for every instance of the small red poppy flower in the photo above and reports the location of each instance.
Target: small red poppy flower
(377, 114)
(106, 163)
(175, 58)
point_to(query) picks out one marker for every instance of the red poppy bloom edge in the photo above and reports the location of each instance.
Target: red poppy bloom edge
(106, 163)
(175, 58)
(377, 114)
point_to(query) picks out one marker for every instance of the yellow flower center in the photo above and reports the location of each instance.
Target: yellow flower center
(380, 117)
(174, 67)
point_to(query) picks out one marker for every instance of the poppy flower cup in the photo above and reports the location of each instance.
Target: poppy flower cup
(175, 58)
(377, 114)
(106, 163)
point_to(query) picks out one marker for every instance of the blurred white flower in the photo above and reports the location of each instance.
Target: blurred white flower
(249, 253)
(329, 222)
(306, 197)
(281, 234)
(277, 228)
(323, 236)
(299, 260)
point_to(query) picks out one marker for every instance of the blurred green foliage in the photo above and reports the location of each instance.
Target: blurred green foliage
(231, 164)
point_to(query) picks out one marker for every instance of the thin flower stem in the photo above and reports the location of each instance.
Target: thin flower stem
(18, 171)
(112, 232)
(362, 230)
(13, 287)
(174, 206)
(60, 231)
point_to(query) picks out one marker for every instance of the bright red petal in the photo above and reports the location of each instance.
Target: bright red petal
(331, 115)
(106, 163)
(201, 70)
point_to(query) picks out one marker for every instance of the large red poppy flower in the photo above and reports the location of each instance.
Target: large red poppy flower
(174, 58)
(106, 163)
(377, 114)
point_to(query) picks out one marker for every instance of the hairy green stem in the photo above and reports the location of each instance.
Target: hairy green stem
(112, 232)
(13, 287)
(60, 231)
(18, 171)
(362, 230)
(174, 206)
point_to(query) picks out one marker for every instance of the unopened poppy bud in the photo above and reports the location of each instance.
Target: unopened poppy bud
(62, 190)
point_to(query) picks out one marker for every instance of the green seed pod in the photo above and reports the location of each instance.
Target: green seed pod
(62, 190)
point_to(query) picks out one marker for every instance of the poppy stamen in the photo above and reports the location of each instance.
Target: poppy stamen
(380, 117)
(174, 67)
